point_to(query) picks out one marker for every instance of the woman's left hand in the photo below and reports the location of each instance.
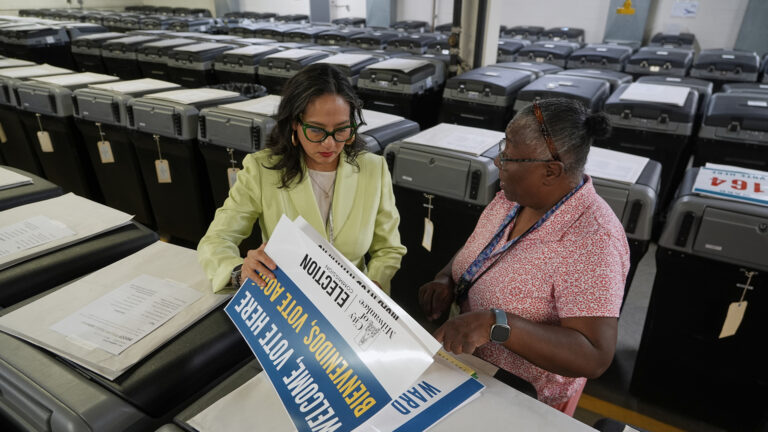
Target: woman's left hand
(464, 333)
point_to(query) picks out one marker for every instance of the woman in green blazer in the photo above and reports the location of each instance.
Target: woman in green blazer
(315, 167)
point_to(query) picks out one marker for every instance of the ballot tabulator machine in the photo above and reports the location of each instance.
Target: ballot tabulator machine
(711, 263)
(101, 116)
(46, 112)
(630, 186)
(445, 174)
(164, 132)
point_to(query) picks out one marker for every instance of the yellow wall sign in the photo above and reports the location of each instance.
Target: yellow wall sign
(627, 9)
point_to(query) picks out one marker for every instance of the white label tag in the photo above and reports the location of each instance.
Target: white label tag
(45, 141)
(232, 176)
(728, 56)
(762, 104)
(3, 137)
(429, 230)
(105, 152)
(733, 319)
(163, 171)
(602, 49)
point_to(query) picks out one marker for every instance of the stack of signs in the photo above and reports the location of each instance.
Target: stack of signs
(733, 183)
(336, 349)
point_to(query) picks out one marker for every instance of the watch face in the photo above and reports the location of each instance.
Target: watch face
(499, 333)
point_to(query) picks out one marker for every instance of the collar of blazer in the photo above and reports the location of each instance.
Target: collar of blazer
(343, 199)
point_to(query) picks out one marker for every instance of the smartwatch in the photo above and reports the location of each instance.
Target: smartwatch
(234, 279)
(500, 330)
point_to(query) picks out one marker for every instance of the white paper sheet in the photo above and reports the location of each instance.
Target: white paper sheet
(77, 79)
(658, 93)
(404, 65)
(346, 59)
(374, 119)
(458, 138)
(613, 165)
(11, 179)
(85, 217)
(32, 71)
(31, 233)
(126, 314)
(190, 96)
(134, 86)
(266, 106)
(12, 62)
(160, 260)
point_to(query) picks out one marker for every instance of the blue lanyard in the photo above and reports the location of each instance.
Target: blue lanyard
(470, 276)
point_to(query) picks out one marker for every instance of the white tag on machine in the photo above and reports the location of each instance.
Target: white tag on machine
(45, 141)
(105, 152)
(163, 171)
(232, 176)
(733, 319)
(429, 227)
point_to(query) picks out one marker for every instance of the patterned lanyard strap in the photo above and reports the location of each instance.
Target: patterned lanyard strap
(470, 275)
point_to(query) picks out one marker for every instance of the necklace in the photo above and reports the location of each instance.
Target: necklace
(326, 192)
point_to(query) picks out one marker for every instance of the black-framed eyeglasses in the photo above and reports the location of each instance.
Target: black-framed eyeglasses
(317, 134)
(503, 146)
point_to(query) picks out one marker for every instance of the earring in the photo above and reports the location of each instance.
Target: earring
(293, 138)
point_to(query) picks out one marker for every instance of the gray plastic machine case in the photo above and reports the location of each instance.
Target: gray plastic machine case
(86, 51)
(351, 64)
(120, 56)
(656, 129)
(241, 64)
(17, 149)
(153, 56)
(723, 65)
(524, 32)
(634, 203)
(307, 34)
(703, 87)
(275, 69)
(614, 78)
(450, 168)
(552, 52)
(375, 39)
(660, 61)
(276, 31)
(590, 92)
(46, 111)
(192, 65)
(407, 86)
(338, 36)
(712, 254)
(600, 56)
(735, 131)
(508, 49)
(758, 88)
(102, 118)
(164, 127)
(483, 97)
(415, 43)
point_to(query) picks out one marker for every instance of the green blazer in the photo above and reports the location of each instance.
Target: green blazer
(365, 219)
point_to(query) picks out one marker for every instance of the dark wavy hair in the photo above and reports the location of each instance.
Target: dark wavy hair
(313, 81)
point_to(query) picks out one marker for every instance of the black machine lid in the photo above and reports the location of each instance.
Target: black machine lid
(727, 60)
(130, 43)
(415, 39)
(163, 46)
(291, 18)
(96, 39)
(615, 105)
(759, 88)
(591, 92)
(564, 33)
(614, 78)
(309, 31)
(492, 80)
(524, 31)
(683, 40)
(747, 110)
(374, 36)
(539, 69)
(658, 56)
(596, 52)
(341, 34)
(511, 46)
(410, 25)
